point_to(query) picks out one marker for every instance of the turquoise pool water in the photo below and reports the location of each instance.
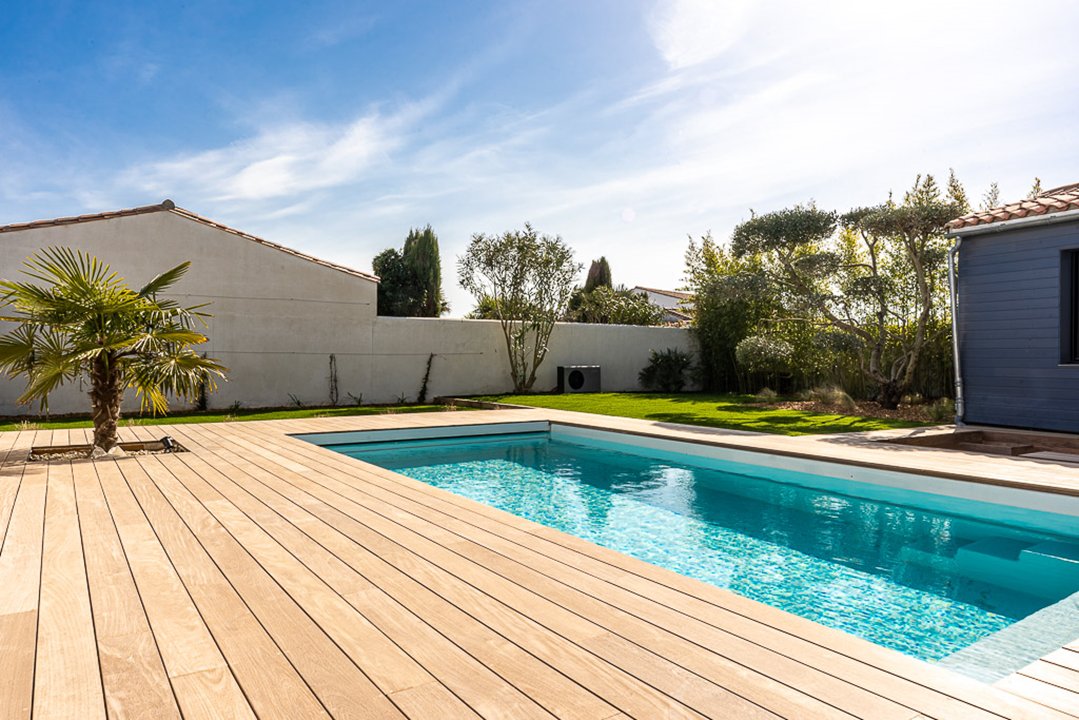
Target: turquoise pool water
(885, 572)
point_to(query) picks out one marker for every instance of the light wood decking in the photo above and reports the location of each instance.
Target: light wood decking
(259, 575)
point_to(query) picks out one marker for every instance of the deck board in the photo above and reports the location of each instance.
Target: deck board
(20, 582)
(67, 678)
(132, 673)
(204, 685)
(269, 681)
(260, 575)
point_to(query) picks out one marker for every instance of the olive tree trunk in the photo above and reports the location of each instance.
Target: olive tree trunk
(105, 397)
(890, 394)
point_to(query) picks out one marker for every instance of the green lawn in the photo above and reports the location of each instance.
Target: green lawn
(734, 412)
(214, 416)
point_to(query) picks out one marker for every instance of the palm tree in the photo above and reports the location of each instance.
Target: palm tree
(85, 320)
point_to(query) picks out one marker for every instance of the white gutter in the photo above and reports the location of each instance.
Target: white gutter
(1029, 221)
(954, 299)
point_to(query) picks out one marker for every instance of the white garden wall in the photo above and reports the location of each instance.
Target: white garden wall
(277, 318)
(470, 355)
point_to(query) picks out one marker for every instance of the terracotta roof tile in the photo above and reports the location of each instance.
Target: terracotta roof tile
(1061, 199)
(170, 206)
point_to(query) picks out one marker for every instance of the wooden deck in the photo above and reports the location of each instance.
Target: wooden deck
(260, 576)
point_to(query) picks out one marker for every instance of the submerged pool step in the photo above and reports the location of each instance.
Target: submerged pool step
(1046, 569)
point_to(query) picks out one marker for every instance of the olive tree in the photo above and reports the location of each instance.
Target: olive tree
(525, 280)
(875, 274)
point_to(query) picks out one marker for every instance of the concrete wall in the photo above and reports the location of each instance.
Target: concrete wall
(1013, 309)
(277, 318)
(470, 355)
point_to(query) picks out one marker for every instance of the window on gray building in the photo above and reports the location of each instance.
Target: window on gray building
(1069, 307)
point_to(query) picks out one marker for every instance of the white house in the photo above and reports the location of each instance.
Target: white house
(678, 304)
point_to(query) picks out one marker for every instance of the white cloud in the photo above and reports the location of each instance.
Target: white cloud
(276, 162)
(688, 32)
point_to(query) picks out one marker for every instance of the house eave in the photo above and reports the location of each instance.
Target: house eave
(1002, 225)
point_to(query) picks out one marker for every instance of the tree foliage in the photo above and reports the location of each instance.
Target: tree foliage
(600, 302)
(410, 280)
(599, 275)
(83, 320)
(421, 255)
(732, 298)
(767, 354)
(526, 279)
(614, 306)
(876, 274)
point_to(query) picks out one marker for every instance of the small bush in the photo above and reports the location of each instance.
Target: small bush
(666, 371)
(942, 410)
(832, 396)
(762, 353)
(767, 395)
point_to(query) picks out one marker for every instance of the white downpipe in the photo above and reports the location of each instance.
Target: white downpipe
(954, 298)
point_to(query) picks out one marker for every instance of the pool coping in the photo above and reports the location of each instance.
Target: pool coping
(852, 448)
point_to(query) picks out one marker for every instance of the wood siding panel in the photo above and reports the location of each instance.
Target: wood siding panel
(1009, 329)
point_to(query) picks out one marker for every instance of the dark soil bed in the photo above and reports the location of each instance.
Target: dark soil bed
(912, 413)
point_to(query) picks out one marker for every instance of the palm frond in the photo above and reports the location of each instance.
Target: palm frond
(183, 374)
(17, 350)
(164, 280)
(52, 364)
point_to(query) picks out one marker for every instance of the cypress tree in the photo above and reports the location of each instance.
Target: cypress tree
(422, 257)
(599, 274)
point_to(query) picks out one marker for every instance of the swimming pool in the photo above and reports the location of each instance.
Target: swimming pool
(925, 573)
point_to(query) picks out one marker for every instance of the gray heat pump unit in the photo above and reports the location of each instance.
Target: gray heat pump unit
(578, 378)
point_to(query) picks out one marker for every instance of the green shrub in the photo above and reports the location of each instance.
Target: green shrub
(765, 354)
(766, 395)
(832, 396)
(666, 371)
(942, 410)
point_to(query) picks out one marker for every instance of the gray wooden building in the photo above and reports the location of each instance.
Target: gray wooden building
(1016, 295)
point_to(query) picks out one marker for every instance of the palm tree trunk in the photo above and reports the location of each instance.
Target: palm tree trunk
(105, 397)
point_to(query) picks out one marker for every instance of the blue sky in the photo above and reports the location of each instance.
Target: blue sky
(623, 126)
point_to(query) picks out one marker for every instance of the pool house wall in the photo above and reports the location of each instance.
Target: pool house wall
(1014, 316)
